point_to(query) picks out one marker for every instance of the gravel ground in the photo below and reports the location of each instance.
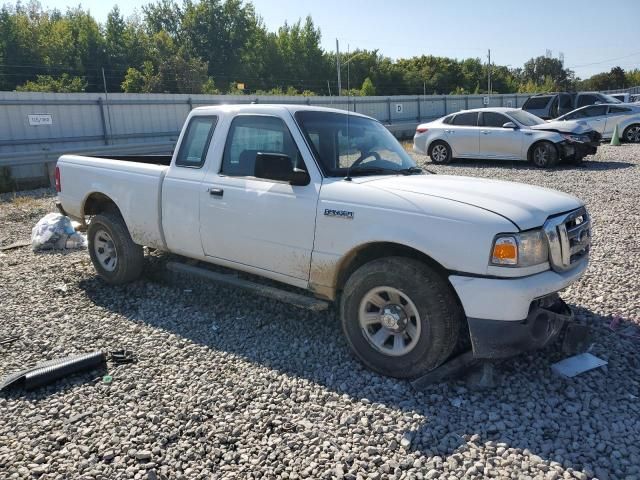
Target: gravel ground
(229, 385)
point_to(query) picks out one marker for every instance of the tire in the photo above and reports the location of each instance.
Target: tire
(408, 292)
(631, 134)
(544, 155)
(114, 255)
(440, 152)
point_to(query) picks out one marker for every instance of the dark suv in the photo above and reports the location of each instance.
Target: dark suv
(552, 105)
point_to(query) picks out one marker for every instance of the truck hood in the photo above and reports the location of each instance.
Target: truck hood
(524, 205)
(566, 126)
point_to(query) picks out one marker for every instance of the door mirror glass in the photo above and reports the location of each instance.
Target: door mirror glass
(279, 167)
(510, 125)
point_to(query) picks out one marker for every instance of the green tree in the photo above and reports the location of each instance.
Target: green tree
(46, 83)
(367, 90)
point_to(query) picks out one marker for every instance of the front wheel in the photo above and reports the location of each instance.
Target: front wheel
(544, 155)
(400, 317)
(632, 134)
(114, 255)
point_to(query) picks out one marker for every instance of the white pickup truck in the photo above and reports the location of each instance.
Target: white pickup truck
(329, 201)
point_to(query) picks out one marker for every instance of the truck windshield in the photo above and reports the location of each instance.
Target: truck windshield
(609, 99)
(340, 141)
(525, 118)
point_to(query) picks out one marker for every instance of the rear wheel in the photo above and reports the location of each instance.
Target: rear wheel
(632, 134)
(440, 152)
(544, 155)
(400, 317)
(114, 255)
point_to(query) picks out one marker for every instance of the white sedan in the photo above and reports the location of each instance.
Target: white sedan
(504, 134)
(603, 119)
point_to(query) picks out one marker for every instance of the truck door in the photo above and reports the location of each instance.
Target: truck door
(565, 103)
(257, 222)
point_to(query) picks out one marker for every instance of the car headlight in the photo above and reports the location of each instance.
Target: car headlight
(575, 138)
(523, 249)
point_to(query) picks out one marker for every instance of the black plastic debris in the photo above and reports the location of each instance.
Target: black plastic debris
(120, 357)
(52, 370)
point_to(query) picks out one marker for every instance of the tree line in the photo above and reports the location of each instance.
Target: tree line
(223, 46)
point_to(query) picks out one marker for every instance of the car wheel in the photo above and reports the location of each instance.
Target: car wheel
(544, 155)
(632, 134)
(400, 317)
(440, 152)
(114, 255)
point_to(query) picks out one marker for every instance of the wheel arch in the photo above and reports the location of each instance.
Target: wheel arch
(438, 139)
(98, 202)
(368, 252)
(538, 142)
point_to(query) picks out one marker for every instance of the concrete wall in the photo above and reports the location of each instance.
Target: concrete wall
(150, 123)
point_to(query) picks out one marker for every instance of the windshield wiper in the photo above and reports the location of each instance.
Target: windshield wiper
(375, 170)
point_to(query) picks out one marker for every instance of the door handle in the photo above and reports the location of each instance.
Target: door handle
(486, 132)
(216, 192)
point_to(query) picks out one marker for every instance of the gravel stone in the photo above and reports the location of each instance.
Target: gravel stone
(273, 391)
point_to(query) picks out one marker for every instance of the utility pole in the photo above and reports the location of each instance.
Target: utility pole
(338, 67)
(489, 73)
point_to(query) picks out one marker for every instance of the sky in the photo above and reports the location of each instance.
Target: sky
(594, 36)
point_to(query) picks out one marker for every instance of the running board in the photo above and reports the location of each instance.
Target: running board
(295, 299)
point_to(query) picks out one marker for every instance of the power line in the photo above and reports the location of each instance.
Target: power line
(605, 61)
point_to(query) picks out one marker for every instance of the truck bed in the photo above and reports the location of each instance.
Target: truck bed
(133, 182)
(149, 159)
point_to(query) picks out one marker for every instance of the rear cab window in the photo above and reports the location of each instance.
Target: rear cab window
(195, 142)
(536, 103)
(587, 99)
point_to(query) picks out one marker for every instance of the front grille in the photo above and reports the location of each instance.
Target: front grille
(569, 237)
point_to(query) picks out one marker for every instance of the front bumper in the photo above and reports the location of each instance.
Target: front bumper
(572, 150)
(509, 316)
(493, 339)
(509, 299)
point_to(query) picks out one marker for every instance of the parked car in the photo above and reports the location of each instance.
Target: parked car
(504, 134)
(634, 98)
(329, 201)
(552, 105)
(604, 118)
(622, 97)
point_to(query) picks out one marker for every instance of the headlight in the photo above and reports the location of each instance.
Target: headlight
(575, 138)
(520, 249)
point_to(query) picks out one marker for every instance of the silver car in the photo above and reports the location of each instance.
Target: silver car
(504, 134)
(604, 118)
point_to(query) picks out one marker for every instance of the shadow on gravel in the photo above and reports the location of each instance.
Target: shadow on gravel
(531, 409)
(585, 165)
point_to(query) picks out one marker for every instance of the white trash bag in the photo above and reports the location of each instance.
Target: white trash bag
(54, 231)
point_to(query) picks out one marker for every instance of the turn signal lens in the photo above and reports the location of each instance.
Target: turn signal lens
(505, 251)
(421, 129)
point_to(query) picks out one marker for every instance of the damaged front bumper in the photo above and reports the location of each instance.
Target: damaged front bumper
(493, 339)
(573, 150)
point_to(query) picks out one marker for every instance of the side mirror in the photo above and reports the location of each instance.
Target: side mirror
(279, 167)
(510, 125)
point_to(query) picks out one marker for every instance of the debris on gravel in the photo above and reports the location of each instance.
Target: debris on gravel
(229, 385)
